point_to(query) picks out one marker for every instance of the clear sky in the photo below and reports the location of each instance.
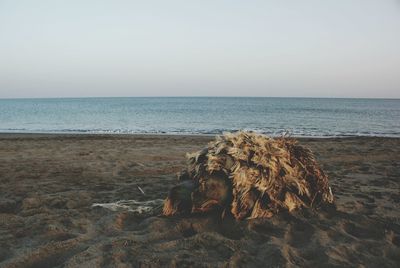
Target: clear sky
(333, 48)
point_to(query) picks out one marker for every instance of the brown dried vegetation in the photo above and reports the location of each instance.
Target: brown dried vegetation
(250, 175)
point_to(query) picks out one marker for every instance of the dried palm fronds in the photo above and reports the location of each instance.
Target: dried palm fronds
(250, 175)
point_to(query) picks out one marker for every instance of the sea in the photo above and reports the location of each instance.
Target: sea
(299, 117)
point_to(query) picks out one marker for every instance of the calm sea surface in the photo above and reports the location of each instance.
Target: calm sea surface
(299, 116)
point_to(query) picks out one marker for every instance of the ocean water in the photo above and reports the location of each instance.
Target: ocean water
(203, 115)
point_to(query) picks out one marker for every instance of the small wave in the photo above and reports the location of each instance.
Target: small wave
(313, 133)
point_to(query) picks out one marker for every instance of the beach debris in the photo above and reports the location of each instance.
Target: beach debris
(249, 175)
(137, 207)
(141, 190)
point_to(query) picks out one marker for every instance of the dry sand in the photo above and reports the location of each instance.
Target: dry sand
(48, 184)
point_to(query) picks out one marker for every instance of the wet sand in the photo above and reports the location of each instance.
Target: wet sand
(48, 184)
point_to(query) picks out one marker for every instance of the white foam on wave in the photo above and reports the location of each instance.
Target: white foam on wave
(138, 207)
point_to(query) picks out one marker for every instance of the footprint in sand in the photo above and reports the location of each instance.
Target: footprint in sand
(299, 234)
(368, 232)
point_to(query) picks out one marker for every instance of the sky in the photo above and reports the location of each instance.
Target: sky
(332, 48)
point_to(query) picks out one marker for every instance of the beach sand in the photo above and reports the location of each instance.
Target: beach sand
(48, 184)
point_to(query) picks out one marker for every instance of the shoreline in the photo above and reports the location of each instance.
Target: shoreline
(131, 135)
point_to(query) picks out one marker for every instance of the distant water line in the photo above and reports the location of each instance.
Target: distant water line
(311, 117)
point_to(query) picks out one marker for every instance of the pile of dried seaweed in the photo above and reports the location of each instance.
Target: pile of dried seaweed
(250, 175)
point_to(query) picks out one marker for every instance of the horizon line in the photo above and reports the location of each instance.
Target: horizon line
(183, 96)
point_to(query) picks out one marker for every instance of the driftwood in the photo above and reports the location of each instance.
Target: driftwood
(251, 176)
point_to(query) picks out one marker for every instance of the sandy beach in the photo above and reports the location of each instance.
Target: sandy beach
(48, 184)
